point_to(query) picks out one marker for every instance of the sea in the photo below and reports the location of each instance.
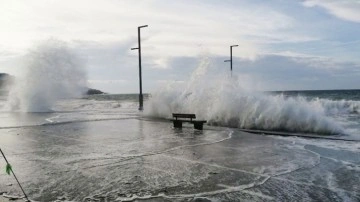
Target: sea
(336, 111)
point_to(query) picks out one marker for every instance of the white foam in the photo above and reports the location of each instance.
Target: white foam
(337, 106)
(352, 146)
(225, 101)
(51, 72)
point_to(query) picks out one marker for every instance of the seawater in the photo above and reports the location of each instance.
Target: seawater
(326, 112)
(50, 72)
(340, 107)
(343, 106)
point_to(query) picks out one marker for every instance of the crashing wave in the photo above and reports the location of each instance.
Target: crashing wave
(51, 72)
(224, 102)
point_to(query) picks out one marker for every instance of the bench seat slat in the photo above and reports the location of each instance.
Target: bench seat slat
(190, 116)
(190, 121)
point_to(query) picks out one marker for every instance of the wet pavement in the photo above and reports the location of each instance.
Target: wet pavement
(135, 159)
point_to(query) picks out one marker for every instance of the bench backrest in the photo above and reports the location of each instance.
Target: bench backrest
(190, 116)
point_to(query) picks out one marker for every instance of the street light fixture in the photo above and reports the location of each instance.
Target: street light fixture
(231, 57)
(141, 102)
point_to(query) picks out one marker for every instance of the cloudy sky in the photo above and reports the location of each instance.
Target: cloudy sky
(283, 44)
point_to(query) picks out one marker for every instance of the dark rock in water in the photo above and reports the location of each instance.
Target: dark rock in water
(5, 80)
(3, 75)
(91, 91)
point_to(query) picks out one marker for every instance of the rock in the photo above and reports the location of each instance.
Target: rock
(91, 91)
(5, 81)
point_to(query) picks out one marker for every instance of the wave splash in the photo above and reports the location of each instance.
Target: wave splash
(51, 72)
(335, 107)
(223, 101)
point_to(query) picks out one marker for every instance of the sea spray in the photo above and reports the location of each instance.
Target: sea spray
(51, 71)
(224, 101)
(336, 107)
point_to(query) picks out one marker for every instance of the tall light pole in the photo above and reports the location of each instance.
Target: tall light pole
(231, 57)
(141, 101)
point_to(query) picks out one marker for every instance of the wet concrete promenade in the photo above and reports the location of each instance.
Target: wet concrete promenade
(145, 160)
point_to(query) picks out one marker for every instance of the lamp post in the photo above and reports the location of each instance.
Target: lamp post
(231, 57)
(141, 102)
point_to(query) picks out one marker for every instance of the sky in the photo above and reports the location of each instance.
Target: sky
(283, 44)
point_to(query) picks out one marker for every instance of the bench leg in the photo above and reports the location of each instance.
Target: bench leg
(177, 124)
(198, 126)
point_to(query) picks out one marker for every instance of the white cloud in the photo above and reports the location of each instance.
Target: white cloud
(107, 81)
(344, 9)
(175, 28)
(160, 63)
(169, 81)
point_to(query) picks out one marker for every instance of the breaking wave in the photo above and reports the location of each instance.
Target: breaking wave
(223, 101)
(333, 107)
(51, 72)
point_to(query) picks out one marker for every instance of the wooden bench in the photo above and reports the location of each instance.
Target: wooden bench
(180, 118)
